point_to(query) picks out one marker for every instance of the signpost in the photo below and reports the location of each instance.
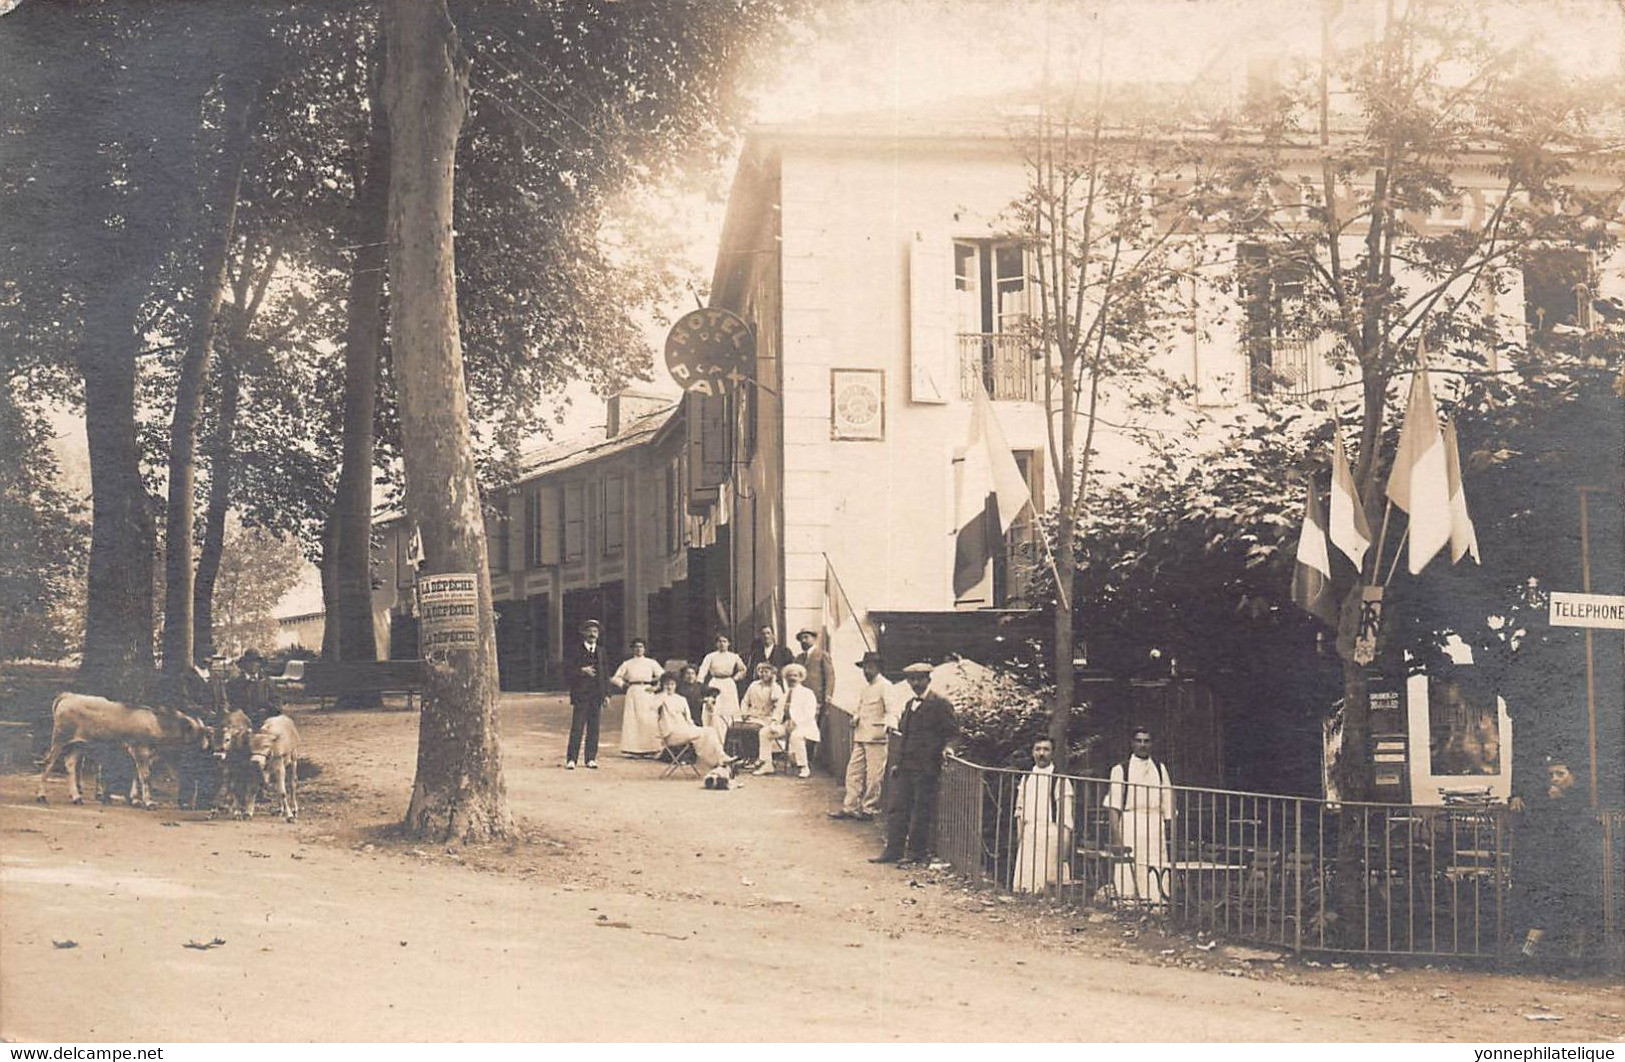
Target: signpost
(709, 351)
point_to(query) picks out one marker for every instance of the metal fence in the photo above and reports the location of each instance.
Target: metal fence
(1289, 871)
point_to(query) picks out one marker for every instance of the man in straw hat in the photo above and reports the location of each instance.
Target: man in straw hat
(871, 724)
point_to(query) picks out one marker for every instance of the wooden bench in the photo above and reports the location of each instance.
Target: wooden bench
(328, 681)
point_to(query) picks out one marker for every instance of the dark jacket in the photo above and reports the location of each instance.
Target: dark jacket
(779, 657)
(925, 730)
(258, 698)
(587, 689)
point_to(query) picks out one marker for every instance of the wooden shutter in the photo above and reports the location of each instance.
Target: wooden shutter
(707, 449)
(932, 353)
(550, 525)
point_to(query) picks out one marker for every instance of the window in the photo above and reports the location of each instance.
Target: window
(496, 536)
(992, 308)
(614, 513)
(1272, 296)
(1024, 544)
(572, 543)
(1557, 288)
(533, 528)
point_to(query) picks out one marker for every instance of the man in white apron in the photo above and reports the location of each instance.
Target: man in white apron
(1044, 818)
(1141, 801)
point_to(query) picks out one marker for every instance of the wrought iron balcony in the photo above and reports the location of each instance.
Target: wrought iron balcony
(1003, 363)
(1284, 367)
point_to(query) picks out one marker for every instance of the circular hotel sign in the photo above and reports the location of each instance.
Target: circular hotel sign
(709, 351)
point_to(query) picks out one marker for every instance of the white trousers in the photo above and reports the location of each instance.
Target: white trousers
(864, 772)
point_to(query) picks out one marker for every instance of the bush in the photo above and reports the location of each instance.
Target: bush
(999, 716)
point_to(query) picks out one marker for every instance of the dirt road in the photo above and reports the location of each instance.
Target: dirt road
(636, 908)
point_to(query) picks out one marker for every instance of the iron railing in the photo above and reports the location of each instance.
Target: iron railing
(1002, 363)
(1294, 872)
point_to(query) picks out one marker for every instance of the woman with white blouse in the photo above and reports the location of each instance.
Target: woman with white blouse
(639, 676)
(721, 670)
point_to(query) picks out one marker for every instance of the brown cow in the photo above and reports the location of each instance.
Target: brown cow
(274, 749)
(237, 774)
(78, 720)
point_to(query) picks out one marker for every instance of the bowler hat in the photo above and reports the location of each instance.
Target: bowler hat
(872, 657)
(251, 657)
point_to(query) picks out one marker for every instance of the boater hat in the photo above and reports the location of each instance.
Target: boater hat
(806, 630)
(918, 669)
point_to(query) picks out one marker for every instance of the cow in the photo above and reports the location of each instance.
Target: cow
(274, 749)
(238, 777)
(78, 720)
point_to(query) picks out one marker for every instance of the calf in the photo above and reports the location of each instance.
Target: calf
(238, 778)
(274, 749)
(78, 720)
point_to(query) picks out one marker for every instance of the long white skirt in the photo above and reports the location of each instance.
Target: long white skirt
(640, 722)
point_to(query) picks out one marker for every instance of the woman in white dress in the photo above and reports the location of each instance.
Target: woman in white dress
(639, 676)
(721, 669)
(678, 728)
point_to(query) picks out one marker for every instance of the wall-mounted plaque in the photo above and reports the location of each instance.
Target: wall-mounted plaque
(857, 404)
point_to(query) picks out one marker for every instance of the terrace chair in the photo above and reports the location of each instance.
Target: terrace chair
(678, 758)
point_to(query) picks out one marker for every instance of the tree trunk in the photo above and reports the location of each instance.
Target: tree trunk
(459, 793)
(118, 605)
(220, 224)
(221, 457)
(351, 619)
(1065, 674)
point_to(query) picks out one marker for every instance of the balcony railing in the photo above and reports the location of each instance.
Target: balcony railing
(1284, 367)
(1002, 363)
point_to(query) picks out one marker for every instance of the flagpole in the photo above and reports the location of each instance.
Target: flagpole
(852, 611)
(1398, 553)
(1382, 536)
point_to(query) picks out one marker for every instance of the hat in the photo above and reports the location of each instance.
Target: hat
(918, 669)
(251, 657)
(806, 630)
(795, 671)
(592, 623)
(710, 691)
(872, 657)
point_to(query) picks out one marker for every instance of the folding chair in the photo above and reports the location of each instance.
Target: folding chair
(678, 758)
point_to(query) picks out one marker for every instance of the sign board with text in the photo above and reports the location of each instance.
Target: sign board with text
(449, 611)
(1603, 611)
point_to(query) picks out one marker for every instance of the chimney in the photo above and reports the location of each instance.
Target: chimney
(628, 407)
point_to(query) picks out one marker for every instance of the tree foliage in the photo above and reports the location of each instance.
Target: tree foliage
(256, 570)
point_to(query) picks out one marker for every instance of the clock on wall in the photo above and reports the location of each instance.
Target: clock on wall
(857, 404)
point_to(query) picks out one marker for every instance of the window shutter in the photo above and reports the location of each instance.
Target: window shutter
(932, 351)
(707, 448)
(551, 524)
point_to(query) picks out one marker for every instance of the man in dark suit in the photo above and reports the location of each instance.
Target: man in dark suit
(586, 666)
(250, 691)
(926, 726)
(766, 650)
